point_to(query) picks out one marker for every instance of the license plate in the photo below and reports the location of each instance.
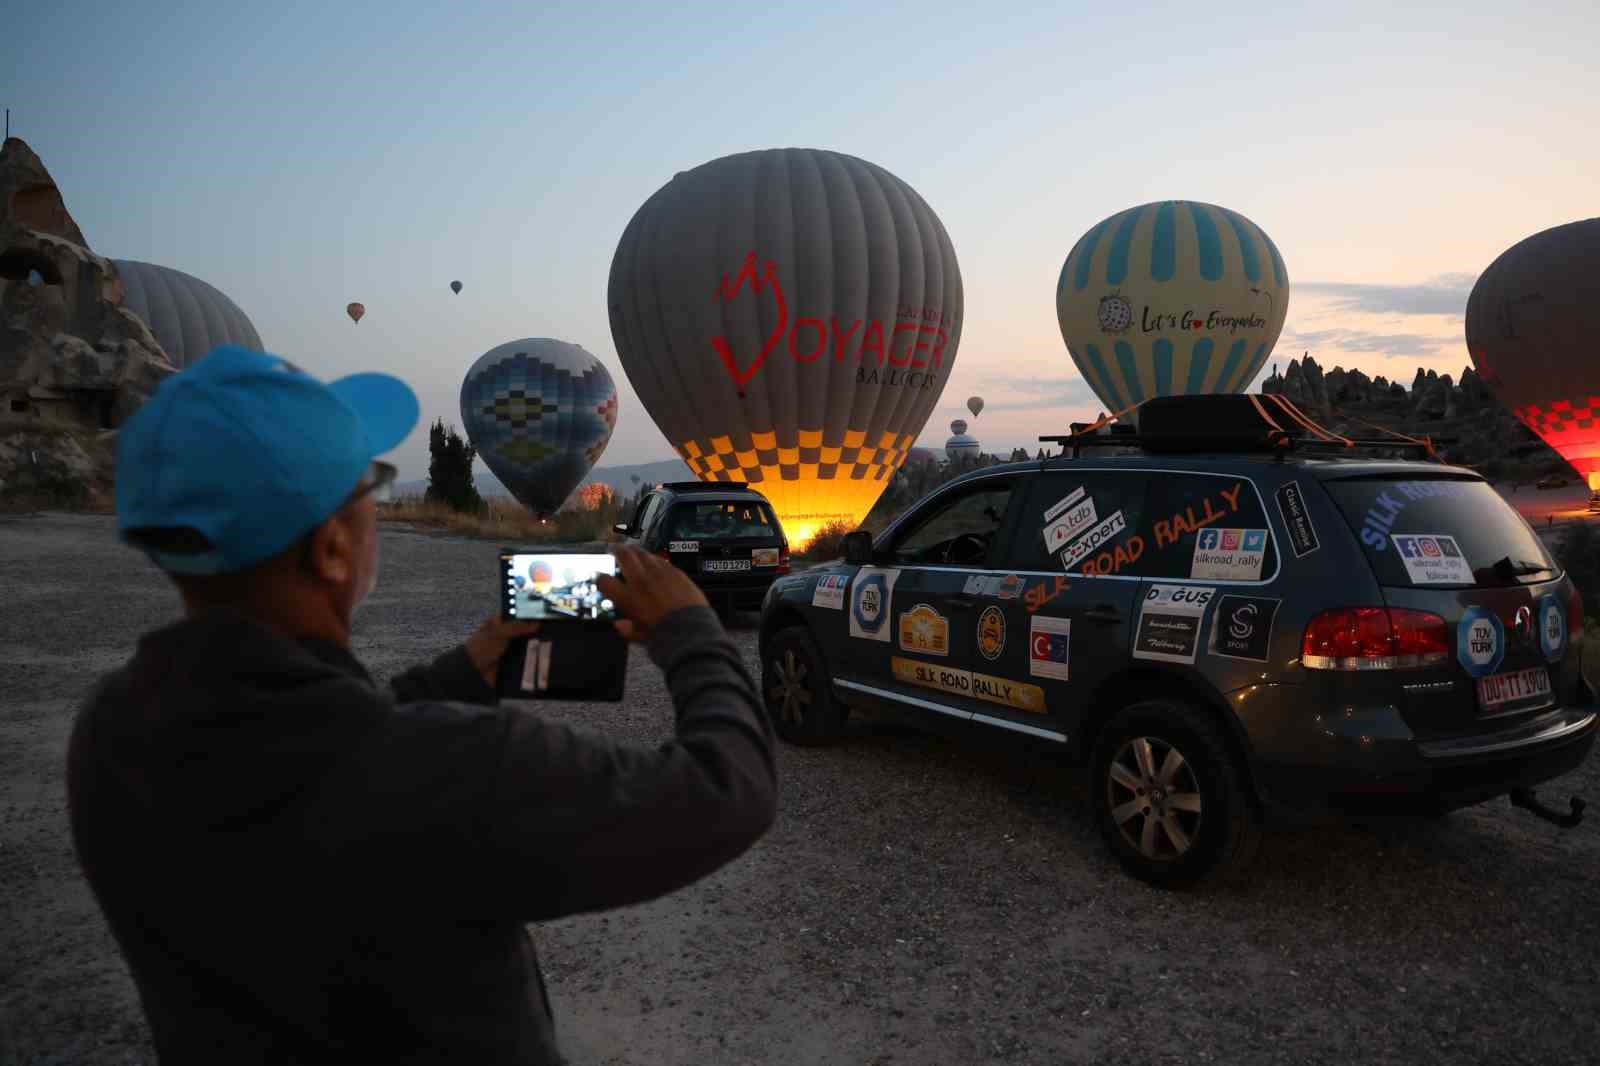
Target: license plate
(722, 566)
(1498, 689)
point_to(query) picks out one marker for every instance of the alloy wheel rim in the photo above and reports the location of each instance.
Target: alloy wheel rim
(790, 694)
(1154, 798)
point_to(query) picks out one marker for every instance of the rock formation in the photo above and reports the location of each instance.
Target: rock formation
(74, 363)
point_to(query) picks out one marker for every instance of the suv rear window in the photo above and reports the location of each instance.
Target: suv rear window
(716, 519)
(1407, 525)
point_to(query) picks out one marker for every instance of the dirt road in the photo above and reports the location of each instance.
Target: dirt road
(920, 900)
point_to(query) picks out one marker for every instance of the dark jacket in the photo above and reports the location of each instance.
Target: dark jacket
(303, 867)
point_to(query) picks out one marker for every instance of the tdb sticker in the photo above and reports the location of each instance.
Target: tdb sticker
(1480, 641)
(870, 601)
(1552, 629)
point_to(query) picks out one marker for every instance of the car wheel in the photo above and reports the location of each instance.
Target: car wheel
(1169, 796)
(798, 692)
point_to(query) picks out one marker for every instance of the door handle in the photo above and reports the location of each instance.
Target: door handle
(962, 601)
(1103, 613)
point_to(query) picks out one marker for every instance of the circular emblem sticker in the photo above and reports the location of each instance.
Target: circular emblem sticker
(870, 608)
(991, 633)
(1552, 628)
(1480, 641)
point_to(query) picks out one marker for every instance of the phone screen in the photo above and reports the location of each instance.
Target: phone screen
(545, 585)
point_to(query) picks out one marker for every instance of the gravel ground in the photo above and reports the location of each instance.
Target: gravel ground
(920, 899)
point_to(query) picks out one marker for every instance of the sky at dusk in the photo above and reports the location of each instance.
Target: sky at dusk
(301, 155)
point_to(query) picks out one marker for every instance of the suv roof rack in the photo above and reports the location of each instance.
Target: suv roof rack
(1177, 424)
(706, 486)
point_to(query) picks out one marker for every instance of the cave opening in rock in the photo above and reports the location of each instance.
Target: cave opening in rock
(17, 263)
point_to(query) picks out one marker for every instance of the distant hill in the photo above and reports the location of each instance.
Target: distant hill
(620, 478)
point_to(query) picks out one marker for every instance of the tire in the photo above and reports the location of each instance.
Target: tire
(798, 691)
(1210, 832)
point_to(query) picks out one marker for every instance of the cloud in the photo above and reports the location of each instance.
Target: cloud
(1045, 393)
(1356, 340)
(1444, 295)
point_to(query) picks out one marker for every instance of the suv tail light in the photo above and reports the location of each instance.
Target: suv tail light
(1375, 638)
(783, 559)
(1574, 614)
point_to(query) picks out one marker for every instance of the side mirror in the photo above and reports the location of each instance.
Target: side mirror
(858, 548)
(621, 527)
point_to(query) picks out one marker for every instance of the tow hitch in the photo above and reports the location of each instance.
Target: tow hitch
(1528, 801)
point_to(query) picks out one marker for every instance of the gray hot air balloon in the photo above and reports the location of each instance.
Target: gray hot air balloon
(455, 287)
(975, 405)
(188, 317)
(788, 318)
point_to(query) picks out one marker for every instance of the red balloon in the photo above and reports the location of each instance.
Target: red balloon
(355, 311)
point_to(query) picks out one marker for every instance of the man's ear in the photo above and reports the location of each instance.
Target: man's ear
(333, 550)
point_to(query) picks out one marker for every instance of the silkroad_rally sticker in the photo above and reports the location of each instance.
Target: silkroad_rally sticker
(870, 600)
(991, 633)
(1432, 559)
(1292, 509)
(1552, 628)
(764, 557)
(999, 690)
(1079, 517)
(1169, 622)
(829, 592)
(1229, 554)
(1049, 647)
(1242, 627)
(1062, 504)
(1480, 641)
(1092, 541)
(683, 546)
(924, 631)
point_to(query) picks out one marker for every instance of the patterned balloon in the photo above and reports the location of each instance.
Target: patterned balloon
(789, 318)
(1170, 298)
(1533, 330)
(188, 317)
(540, 412)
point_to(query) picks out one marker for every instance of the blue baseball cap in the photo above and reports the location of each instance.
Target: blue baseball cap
(253, 453)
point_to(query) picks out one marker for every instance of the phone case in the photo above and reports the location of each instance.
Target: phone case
(565, 661)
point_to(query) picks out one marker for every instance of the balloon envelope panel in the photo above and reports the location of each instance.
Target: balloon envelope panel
(540, 412)
(188, 316)
(789, 318)
(1171, 298)
(1533, 330)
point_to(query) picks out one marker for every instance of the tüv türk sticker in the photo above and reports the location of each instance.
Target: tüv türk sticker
(870, 600)
(1432, 559)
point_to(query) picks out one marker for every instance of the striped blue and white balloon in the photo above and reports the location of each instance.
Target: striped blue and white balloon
(1170, 298)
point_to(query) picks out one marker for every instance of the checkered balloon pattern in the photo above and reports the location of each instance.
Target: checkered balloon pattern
(538, 426)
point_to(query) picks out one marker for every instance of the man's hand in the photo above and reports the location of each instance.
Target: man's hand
(489, 643)
(654, 589)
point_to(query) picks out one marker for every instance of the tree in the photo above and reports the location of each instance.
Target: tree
(450, 470)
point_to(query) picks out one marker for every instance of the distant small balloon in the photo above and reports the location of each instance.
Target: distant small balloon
(975, 405)
(959, 426)
(355, 311)
(455, 286)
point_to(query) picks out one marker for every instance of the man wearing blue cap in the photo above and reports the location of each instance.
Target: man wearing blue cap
(303, 867)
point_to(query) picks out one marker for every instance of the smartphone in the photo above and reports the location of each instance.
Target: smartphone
(554, 585)
(577, 653)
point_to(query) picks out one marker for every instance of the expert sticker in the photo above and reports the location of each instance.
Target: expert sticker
(1432, 559)
(1169, 623)
(1091, 541)
(1229, 554)
(870, 599)
(1480, 641)
(829, 592)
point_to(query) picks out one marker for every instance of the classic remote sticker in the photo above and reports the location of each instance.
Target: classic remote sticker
(1292, 509)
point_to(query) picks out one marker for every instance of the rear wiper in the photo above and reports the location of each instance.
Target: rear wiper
(1507, 569)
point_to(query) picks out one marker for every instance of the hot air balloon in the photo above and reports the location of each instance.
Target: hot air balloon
(1169, 298)
(1533, 336)
(788, 318)
(975, 405)
(455, 287)
(540, 412)
(961, 446)
(355, 311)
(188, 317)
(959, 426)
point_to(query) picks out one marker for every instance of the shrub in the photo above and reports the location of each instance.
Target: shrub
(1578, 553)
(827, 542)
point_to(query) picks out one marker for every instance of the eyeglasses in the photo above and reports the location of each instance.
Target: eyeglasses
(378, 481)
